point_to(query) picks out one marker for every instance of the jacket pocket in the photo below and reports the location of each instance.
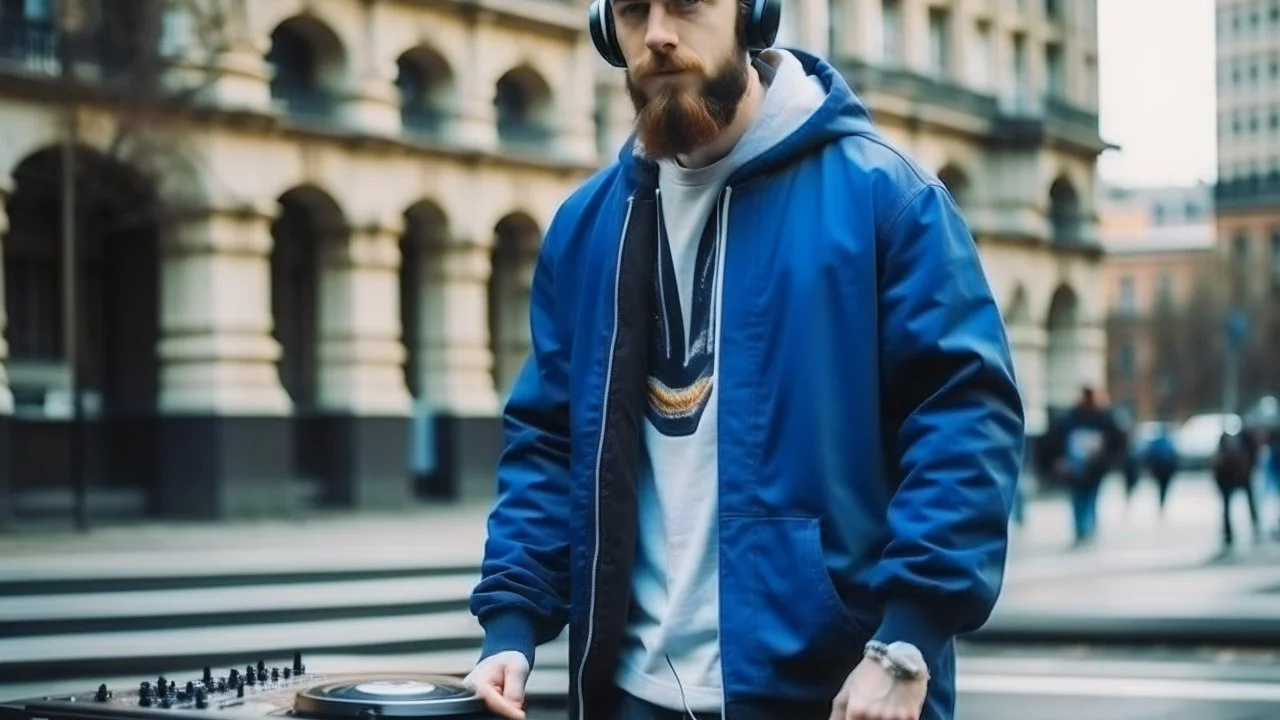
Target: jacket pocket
(806, 637)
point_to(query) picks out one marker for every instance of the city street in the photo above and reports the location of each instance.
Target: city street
(1105, 631)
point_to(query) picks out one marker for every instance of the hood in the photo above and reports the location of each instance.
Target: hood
(840, 115)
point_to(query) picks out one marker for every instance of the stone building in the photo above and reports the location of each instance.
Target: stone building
(1163, 284)
(303, 278)
(1247, 196)
(337, 225)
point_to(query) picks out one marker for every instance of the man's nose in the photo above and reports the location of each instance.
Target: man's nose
(659, 36)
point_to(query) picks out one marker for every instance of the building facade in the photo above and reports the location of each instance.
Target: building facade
(302, 279)
(325, 233)
(1162, 279)
(1247, 196)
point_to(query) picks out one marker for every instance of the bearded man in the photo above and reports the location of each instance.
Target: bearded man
(762, 456)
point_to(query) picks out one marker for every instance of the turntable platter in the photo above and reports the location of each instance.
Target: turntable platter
(387, 695)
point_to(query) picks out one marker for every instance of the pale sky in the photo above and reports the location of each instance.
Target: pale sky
(1156, 91)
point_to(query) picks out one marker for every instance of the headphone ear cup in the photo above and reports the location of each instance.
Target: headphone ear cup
(603, 35)
(762, 27)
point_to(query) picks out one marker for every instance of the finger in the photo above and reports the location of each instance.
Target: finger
(498, 704)
(839, 706)
(513, 685)
(858, 711)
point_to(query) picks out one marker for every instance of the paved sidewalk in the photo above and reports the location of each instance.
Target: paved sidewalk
(1131, 536)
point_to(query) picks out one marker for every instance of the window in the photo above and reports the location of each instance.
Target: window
(176, 30)
(1164, 288)
(981, 54)
(891, 29)
(1126, 360)
(1021, 89)
(939, 41)
(1126, 302)
(38, 10)
(1054, 69)
(1240, 247)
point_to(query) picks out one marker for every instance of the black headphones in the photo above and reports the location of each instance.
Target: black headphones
(760, 31)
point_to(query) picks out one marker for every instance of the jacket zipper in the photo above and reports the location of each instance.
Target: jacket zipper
(604, 414)
(722, 251)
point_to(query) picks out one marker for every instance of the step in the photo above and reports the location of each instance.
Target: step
(80, 613)
(142, 651)
(120, 571)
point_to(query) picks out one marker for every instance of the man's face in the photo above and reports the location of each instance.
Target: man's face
(686, 69)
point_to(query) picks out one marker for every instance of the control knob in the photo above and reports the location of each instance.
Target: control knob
(103, 694)
(202, 699)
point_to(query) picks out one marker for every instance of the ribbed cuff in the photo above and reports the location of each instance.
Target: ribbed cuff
(508, 630)
(913, 622)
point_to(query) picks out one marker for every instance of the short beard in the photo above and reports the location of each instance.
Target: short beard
(677, 121)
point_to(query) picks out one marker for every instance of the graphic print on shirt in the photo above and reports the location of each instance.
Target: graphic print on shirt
(682, 366)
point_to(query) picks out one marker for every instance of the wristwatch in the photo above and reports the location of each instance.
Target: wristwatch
(901, 660)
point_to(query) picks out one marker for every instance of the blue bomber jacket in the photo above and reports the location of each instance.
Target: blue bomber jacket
(871, 429)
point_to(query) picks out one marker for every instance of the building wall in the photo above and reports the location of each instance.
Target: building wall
(1162, 266)
(467, 194)
(1248, 55)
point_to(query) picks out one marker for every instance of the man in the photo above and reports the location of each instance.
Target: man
(762, 456)
(1085, 446)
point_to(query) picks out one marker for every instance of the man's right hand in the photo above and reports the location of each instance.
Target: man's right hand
(499, 680)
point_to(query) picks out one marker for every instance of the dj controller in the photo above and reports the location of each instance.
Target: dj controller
(261, 691)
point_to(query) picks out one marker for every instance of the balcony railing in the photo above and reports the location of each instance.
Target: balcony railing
(525, 135)
(1259, 190)
(304, 101)
(864, 77)
(32, 46)
(422, 119)
(105, 58)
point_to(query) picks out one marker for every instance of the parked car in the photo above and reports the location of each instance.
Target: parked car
(1197, 438)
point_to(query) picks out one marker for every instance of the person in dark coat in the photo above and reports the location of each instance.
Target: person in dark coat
(1233, 465)
(1086, 444)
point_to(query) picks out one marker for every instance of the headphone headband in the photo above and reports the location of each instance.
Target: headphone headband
(760, 30)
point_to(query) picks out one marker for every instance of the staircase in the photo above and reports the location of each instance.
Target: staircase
(70, 621)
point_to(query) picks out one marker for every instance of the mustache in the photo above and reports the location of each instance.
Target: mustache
(664, 63)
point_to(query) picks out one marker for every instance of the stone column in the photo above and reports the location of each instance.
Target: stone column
(6, 395)
(577, 134)
(227, 447)
(374, 107)
(1027, 343)
(457, 368)
(362, 423)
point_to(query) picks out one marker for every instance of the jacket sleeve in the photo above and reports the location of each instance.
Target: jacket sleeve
(522, 597)
(954, 425)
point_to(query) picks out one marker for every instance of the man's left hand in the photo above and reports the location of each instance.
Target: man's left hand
(871, 693)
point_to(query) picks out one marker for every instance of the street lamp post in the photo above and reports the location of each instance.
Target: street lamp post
(67, 23)
(1237, 329)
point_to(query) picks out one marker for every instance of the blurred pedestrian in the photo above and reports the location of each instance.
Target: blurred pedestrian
(1085, 446)
(1161, 460)
(1233, 465)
